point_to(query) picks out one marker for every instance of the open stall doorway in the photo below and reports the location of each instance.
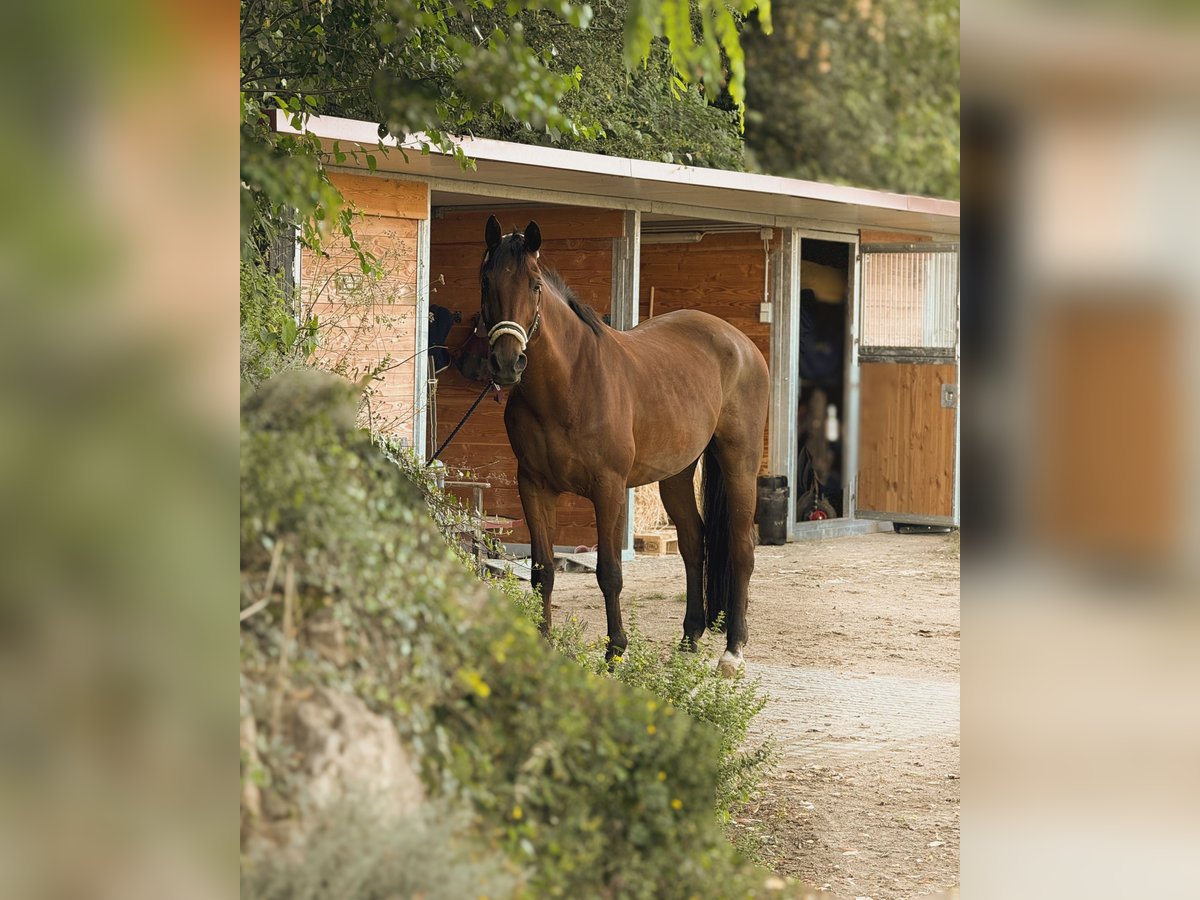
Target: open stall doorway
(822, 398)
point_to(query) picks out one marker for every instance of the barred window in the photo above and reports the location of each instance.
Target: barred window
(910, 298)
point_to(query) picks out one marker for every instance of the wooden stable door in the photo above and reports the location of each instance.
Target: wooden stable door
(906, 443)
(908, 384)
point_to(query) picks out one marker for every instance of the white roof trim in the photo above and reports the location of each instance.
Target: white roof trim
(631, 179)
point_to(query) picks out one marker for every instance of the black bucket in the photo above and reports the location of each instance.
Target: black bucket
(772, 509)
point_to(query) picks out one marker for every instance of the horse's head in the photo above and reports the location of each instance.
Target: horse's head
(511, 284)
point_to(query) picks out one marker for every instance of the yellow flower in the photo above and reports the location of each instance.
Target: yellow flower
(516, 813)
(650, 729)
(662, 776)
(475, 682)
(676, 803)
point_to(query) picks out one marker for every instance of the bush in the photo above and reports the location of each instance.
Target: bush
(595, 787)
(690, 683)
(687, 681)
(272, 340)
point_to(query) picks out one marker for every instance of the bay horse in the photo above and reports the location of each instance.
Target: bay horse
(594, 411)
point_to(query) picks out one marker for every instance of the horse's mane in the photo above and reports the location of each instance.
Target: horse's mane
(586, 314)
(513, 247)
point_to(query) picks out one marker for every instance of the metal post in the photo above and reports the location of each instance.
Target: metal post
(626, 269)
(853, 382)
(420, 385)
(785, 362)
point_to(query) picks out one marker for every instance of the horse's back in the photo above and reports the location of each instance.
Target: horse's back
(689, 329)
(693, 339)
(697, 372)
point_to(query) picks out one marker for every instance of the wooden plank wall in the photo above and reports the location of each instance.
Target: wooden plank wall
(578, 243)
(906, 442)
(721, 275)
(365, 322)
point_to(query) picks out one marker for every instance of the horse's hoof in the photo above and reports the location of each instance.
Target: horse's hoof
(614, 655)
(730, 664)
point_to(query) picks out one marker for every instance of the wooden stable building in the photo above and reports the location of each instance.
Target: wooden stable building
(852, 295)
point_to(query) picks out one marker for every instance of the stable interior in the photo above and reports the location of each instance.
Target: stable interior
(819, 492)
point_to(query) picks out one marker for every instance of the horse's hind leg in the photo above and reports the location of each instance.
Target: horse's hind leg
(609, 500)
(740, 468)
(679, 499)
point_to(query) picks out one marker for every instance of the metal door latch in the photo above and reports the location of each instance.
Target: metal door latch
(949, 396)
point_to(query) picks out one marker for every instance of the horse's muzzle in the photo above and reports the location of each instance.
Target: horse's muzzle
(506, 373)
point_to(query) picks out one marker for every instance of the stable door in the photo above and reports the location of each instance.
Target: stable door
(907, 354)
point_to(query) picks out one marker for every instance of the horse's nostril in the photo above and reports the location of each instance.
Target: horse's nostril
(522, 361)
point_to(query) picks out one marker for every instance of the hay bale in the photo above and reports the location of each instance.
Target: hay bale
(649, 515)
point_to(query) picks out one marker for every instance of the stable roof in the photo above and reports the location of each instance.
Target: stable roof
(550, 175)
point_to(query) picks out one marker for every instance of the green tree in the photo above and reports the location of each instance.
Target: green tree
(863, 92)
(646, 111)
(437, 66)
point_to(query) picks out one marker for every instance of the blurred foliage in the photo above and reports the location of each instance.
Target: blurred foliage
(596, 788)
(862, 92)
(352, 851)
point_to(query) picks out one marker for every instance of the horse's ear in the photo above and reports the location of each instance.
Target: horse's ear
(533, 237)
(492, 233)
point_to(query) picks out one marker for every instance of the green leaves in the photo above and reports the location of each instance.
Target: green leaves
(858, 91)
(648, 111)
(696, 57)
(641, 17)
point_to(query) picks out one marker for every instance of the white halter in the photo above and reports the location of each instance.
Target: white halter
(507, 327)
(516, 329)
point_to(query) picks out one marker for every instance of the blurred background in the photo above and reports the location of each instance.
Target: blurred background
(1081, 387)
(118, 450)
(1081, 498)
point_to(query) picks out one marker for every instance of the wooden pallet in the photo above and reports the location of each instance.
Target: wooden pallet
(659, 543)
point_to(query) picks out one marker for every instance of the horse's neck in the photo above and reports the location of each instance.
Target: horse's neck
(556, 356)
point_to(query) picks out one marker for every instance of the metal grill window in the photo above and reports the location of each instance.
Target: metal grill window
(910, 297)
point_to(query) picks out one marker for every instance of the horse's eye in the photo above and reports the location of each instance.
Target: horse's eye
(537, 287)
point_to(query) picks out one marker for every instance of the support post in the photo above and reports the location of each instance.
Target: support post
(421, 361)
(853, 380)
(785, 362)
(626, 269)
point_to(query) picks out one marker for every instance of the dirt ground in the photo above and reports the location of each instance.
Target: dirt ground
(856, 640)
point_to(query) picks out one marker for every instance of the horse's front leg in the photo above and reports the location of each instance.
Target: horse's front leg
(609, 501)
(540, 504)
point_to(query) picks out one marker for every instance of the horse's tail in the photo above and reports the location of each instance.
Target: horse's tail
(718, 568)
